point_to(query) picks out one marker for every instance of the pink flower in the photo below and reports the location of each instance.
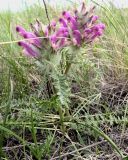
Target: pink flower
(102, 26)
(74, 28)
(66, 14)
(98, 27)
(77, 37)
(73, 23)
(61, 31)
(61, 43)
(53, 25)
(53, 38)
(29, 50)
(63, 22)
(72, 20)
(33, 39)
(96, 34)
(95, 18)
(88, 31)
(21, 30)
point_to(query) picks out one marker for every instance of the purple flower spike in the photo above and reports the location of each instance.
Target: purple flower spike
(95, 18)
(77, 36)
(74, 28)
(61, 31)
(63, 22)
(53, 23)
(69, 18)
(98, 27)
(88, 31)
(96, 35)
(29, 49)
(73, 22)
(99, 33)
(33, 39)
(66, 14)
(60, 43)
(21, 30)
(53, 38)
(102, 26)
(66, 34)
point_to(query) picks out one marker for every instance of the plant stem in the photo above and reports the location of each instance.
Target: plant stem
(74, 52)
(61, 119)
(67, 68)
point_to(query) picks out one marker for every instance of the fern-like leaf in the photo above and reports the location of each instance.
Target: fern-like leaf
(62, 87)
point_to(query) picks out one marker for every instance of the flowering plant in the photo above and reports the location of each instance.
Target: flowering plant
(73, 29)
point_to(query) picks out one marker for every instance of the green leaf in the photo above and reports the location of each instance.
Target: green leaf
(125, 158)
(62, 87)
(13, 134)
(55, 58)
(102, 134)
